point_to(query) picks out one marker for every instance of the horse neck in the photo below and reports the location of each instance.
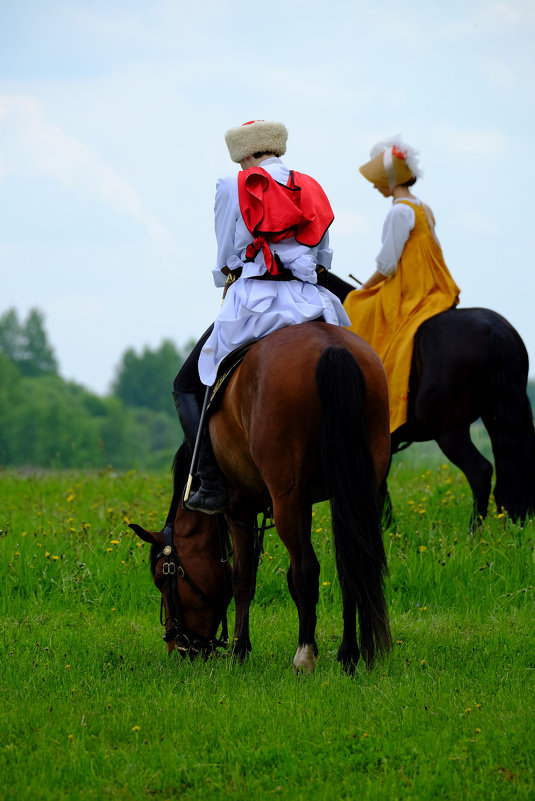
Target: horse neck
(194, 532)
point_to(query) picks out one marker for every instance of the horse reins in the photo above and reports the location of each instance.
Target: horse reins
(172, 570)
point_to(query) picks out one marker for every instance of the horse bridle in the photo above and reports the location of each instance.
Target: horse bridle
(186, 642)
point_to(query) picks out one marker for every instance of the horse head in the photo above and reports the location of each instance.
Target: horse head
(190, 569)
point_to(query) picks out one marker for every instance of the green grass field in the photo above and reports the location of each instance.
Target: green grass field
(93, 708)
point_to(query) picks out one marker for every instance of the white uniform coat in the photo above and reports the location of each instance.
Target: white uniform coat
(252, 309)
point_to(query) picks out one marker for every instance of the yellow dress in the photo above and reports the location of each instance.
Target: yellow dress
(388, 314)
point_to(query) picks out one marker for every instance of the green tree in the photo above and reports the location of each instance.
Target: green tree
(146, 380)
(26, 344)
(11, 338)
(48, 422)
(11, 396)
(39, 357)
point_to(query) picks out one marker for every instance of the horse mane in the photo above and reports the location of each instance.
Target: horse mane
(180, 470)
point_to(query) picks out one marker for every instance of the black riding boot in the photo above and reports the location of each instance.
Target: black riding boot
(211, 497)
(189, 414)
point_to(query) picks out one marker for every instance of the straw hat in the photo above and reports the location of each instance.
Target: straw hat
(256, 136)
(392, 162)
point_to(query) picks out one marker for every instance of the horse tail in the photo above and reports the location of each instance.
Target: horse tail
(349, 475)
(508, 419)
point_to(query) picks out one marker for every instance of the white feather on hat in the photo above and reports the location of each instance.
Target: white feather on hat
(256, 136)
(408, 153)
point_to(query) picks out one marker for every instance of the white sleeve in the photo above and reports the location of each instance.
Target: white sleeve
(325, 254)
(226, 214)
(398, 225)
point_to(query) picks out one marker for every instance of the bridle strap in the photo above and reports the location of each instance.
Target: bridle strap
(170, 568)
(173, 568)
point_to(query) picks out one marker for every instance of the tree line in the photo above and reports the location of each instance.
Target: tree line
(48, 422)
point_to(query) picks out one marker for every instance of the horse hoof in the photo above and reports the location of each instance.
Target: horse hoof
(348, 658)
(304, 659)
(239, 651)
(349, 667)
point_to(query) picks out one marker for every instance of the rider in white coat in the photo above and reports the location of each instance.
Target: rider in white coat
(270, 271)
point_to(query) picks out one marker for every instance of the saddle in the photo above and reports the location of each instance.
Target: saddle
(225, 371)
(235, 358)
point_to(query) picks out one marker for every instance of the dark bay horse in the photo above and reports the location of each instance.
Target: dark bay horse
(189, 565)
(469, 364)
(304, 418)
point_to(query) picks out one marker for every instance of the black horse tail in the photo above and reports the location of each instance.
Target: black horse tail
(508, 419)
(349, 474)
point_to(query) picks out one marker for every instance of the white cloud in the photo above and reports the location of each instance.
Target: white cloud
(34, 145)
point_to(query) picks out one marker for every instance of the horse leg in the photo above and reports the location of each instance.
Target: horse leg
(244, 569)
(459, 448)
(294, 596)
(293, 523)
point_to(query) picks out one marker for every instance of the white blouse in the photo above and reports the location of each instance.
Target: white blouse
(396, 230)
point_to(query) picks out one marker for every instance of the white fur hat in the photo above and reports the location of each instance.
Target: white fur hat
(256, 136)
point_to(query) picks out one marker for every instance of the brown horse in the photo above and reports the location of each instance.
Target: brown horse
(303, 419)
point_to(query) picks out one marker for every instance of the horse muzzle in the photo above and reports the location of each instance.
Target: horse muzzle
(192, 646)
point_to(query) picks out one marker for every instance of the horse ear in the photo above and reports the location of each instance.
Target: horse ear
(143, 534)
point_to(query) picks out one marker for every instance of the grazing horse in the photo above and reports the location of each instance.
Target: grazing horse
(304, 418)
(189, 565)
(469, 364)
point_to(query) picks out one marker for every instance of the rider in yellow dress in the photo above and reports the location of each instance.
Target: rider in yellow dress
(411, 282)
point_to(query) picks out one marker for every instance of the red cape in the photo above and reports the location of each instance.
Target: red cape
(273, 211)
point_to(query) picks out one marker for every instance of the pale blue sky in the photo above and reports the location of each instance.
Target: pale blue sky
(112, 116)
